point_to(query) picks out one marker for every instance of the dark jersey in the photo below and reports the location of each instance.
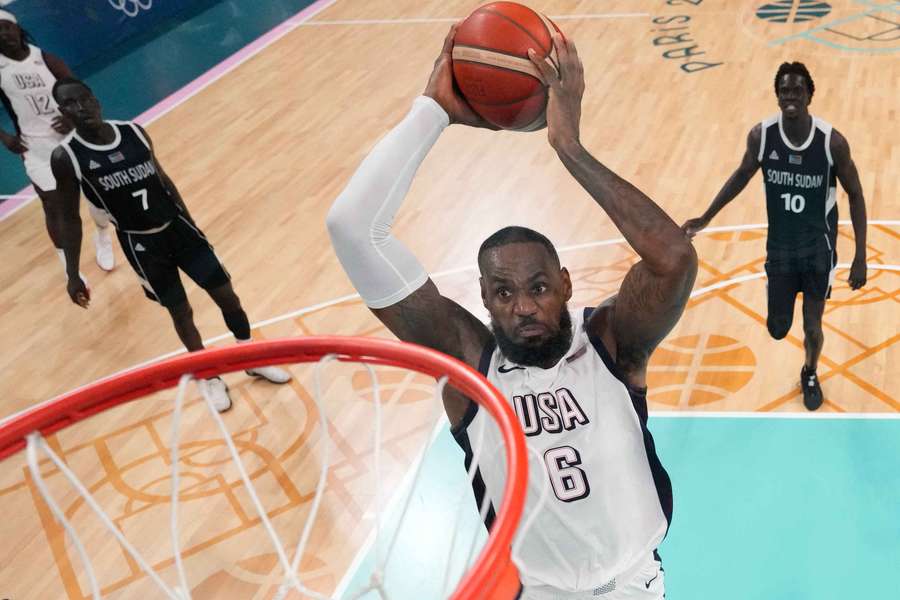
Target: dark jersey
(122, 179)
(800, 190)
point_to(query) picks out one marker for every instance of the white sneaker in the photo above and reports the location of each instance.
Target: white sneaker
(218, 392)
(103, 245)
(273, 374)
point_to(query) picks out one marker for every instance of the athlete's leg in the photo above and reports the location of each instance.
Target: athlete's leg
(197, 258)
(782, 295)
(183, 318)
(814, 338)
(237, 321)
(232, 311)
(103, 248)
(816, 290)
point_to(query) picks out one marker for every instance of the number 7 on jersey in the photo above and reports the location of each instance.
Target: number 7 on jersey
(142, 194)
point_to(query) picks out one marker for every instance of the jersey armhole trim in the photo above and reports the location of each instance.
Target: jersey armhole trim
(73, 160)
(828, 145)
(600, 347)
(140, 135)
(484, 363)
(762, 143)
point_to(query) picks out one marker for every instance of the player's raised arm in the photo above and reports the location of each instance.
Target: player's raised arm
(849, 178)
(655, 290)
(391, 281)
(64, 223)
(734, 186)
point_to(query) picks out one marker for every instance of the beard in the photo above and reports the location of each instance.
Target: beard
(548, 350)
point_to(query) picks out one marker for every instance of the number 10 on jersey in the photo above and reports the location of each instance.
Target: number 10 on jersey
(795, 203)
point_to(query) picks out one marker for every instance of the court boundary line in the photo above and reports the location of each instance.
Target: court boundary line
(561, 250)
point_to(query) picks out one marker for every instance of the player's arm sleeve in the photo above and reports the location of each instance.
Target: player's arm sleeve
(382, 269)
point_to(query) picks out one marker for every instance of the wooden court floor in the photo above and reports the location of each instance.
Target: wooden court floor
(259, 156)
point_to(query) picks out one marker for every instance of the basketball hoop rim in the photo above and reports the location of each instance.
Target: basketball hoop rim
(75, 406)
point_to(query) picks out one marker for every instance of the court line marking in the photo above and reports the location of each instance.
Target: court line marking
(446, 272)
(678, 414)
(423, 20)
(169, 103)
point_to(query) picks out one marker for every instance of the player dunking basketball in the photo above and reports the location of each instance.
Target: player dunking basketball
(114, 164)
(27, 75)
(576, 378)
(801, 156)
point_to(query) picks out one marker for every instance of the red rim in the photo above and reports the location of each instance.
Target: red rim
(493, 574)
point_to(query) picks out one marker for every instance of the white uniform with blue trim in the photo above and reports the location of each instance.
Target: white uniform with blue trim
(610, 500)
(27, 87)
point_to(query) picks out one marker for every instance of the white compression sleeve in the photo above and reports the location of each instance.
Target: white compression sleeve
(381, 268)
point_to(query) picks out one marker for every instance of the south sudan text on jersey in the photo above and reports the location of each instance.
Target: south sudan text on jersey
(797, 180)
(127, 176)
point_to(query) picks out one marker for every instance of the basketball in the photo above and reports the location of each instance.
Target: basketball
(491, 65)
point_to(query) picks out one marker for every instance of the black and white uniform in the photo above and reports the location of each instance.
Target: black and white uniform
(157, 238)
(610, 500)
(801, 202)
(26, 92)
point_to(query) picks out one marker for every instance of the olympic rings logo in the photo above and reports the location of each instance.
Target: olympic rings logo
(131, 7)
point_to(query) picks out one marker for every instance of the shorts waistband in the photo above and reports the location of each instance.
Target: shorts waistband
(148, 231)
(542, 592)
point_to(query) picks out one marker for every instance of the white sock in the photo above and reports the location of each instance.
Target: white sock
(100, 216)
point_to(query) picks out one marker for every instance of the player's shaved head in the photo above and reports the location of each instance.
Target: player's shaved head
(513, 235)
(64, 81)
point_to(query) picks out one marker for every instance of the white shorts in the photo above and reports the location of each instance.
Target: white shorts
(37, 161)
(646, 581)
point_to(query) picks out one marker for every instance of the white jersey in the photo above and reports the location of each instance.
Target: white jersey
(27, 87)
(610, 500)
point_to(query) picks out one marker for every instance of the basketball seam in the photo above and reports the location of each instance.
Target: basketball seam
(527, 68)
(522, 29)
(510, 54)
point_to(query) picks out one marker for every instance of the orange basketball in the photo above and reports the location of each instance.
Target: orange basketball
(492, 68)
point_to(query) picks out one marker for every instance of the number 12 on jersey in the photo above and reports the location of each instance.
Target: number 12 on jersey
(142, 194)
(569, 482)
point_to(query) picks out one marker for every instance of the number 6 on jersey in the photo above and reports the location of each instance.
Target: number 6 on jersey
(569, 482)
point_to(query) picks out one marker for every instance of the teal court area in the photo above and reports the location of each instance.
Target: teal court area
(765, 509)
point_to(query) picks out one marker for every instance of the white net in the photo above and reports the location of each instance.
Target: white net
(406, 523)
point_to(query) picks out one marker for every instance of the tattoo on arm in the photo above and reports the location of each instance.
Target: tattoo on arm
(429, 319)
(646, 309)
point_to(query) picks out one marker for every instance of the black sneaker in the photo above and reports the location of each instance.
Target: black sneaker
(812, 391)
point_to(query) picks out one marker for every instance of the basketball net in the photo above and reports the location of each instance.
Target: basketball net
(385, 543)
